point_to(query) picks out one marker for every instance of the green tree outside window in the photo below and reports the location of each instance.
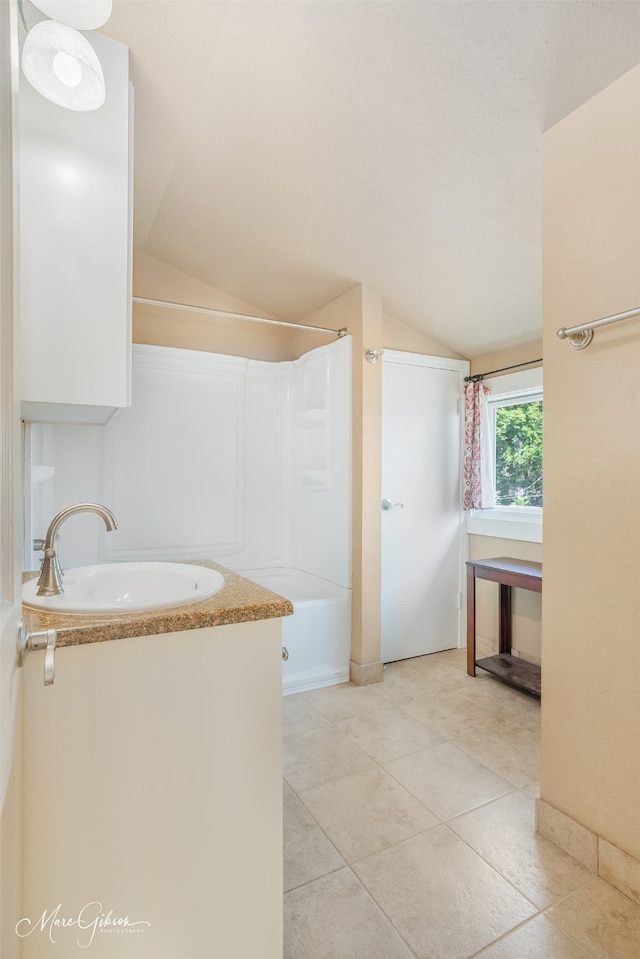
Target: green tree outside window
(519, 454)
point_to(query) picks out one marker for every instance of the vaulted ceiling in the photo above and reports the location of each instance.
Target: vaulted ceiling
(285, 151)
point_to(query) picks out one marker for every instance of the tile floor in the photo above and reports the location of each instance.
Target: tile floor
(409, 828)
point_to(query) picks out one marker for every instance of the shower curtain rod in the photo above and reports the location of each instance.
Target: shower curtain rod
(236, 316)
(581, 336)
(477, 377)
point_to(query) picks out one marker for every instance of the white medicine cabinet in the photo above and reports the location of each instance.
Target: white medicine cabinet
(75, 250)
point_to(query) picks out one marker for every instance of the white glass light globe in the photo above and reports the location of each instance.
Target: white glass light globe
(63, 66)
(67, 69)
(81, 14)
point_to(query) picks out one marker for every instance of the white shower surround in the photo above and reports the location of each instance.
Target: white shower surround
(241, 461)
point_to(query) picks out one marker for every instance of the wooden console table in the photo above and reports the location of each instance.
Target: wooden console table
(507, 573)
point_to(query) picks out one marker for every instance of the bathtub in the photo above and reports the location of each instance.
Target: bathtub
(318, 635)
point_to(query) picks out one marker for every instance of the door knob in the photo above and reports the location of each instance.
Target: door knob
(387, 504)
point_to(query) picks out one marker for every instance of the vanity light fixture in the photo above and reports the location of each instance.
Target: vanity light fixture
(81, 14)
(58, 61)
(371, 356)
(63, 66)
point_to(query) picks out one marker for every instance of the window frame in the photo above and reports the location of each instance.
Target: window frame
(510, 522)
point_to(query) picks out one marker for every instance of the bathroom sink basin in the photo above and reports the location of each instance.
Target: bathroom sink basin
(127, 588)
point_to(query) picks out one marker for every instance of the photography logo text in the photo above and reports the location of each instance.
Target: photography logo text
(91, 919)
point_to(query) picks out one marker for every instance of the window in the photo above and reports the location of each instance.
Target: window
(517, 430)
(516, 406)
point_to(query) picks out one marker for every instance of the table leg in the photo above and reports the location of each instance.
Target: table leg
(471, 621)
(505, 619)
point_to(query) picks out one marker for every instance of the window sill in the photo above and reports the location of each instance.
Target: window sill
(507, 522)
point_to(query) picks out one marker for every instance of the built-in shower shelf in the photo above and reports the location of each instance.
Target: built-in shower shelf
(314, 480)
(313, 424)
(313, 418)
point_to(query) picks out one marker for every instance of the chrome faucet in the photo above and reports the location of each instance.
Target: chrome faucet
(49, 583)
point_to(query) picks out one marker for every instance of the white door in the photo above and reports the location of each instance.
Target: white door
(11, 500)
(422, 524)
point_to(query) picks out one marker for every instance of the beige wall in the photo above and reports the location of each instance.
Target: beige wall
(161, 327)
(398, 336)
(591, 603)
(517, 354)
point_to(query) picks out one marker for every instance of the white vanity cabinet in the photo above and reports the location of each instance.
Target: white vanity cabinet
(75, 249)
(153, 793)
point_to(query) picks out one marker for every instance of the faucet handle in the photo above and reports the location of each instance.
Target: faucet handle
(39, 546)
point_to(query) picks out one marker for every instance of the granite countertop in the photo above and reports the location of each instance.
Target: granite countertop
(239, 601)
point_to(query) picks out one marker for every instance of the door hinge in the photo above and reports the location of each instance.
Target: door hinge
(458, 600)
